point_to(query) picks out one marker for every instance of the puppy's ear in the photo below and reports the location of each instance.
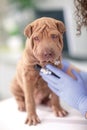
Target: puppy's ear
(60, 26)
(28, 31)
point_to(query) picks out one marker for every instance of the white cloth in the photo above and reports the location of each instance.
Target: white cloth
(12, 119)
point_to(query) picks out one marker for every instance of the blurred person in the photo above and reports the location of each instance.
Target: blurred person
(72, 91)
(81, 14)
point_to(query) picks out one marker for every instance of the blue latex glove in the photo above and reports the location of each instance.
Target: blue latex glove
(84, 77)
(65, 65)
(83, 74)
(70, 90)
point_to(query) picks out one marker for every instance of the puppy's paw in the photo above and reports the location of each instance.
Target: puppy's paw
(32, 120)
(60, 112)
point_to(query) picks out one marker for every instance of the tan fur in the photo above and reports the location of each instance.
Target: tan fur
(44, 45)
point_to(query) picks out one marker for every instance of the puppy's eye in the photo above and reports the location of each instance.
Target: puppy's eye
(54, 36)
(36, 38)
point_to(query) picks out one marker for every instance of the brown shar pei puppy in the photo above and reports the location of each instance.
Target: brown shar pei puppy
(44, 45)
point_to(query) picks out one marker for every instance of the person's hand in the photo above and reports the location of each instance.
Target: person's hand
(83, 74)
(65, 65)
(70, 90)
(84, 77)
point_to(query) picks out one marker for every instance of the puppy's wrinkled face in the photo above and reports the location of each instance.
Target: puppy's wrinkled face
(46, 39)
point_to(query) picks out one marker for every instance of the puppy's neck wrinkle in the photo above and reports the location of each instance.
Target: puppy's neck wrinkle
(29, 59)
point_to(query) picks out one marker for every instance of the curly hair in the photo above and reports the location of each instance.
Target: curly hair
(80, 14)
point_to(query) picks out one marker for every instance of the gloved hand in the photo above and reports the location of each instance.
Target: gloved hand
(70, 90)
(84, 77)
(83, 74)
(65, 65)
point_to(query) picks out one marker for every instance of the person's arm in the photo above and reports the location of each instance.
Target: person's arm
(70, 90)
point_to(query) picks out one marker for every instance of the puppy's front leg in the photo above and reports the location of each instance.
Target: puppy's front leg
(56, 107)
(29, 82)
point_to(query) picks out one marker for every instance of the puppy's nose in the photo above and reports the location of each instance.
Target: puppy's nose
(48, 53)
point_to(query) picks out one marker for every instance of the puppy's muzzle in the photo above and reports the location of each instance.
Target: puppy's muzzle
(48, 54)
